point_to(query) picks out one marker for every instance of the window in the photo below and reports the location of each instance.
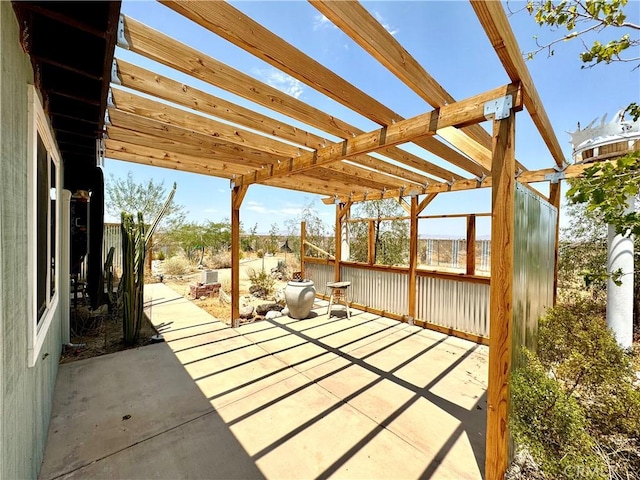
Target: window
(44, 205)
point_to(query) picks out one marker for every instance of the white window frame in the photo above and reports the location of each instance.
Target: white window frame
(39, 124)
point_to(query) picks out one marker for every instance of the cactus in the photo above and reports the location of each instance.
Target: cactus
(135, 239)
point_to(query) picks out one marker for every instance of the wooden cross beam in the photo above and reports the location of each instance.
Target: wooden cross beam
(465, 112)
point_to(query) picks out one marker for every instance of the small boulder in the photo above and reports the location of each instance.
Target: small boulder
(285, 311)
(272, 314)
(246, 311)
(267, 307)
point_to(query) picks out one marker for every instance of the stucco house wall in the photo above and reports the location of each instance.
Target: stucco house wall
(25, 392)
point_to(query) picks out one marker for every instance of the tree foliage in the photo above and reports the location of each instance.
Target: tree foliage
(579, 17)
(127, 195)
(195, 238)
(391, 237)
(318, 233)
(606, 188)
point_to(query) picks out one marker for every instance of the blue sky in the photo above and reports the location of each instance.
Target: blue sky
(444, 36)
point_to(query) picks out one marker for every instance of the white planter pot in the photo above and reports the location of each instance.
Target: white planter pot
(300, 297)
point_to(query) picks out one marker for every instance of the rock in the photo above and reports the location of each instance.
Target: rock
(267, 307)
(246, 312)
(272, 314)
(285, 311)
(203, 297)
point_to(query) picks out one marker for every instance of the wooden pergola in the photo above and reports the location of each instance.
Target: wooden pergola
(248, 147)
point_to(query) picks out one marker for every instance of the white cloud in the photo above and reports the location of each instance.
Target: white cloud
(384, 23)
(290, 211)
(321, 22)
(283, 82)
(257, 208)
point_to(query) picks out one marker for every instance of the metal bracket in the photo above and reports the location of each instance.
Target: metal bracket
(107, 118)
(100, 152)
(558, 175)
(481, 179)
(110, 101)
(115, 78)
(500, 108)
(121, 39)
(336, 200)
(401, 190)
(450, 183)
(519, 172)
(232, 182)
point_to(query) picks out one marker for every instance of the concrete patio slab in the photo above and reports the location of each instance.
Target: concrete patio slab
(283, 398)
(106, 404)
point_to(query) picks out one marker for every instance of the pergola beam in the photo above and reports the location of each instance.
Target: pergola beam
(531, 176)
(355, 21)
(465, 112)
(186, 136)
(496, 25)
(145, 155)
(161, 112)
(150, 83)
(234, 26)
(161, 48)
(171, 116)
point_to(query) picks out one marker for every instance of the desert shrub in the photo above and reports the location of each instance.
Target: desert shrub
(176, 266)
(576, 345)
(575, 405)
(220, 260)
(549, 422)
(262, 283)
(260, 253)
(160, 255)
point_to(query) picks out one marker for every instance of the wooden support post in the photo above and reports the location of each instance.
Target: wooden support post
(554, 198)
(501, 295)
(342, 210)
(413, 256)
(471, 244)
(371, 243)
(237, 195)
(303, 247)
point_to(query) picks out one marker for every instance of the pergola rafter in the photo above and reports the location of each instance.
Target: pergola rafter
(231, 24)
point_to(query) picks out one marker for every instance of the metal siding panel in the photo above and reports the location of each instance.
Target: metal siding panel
(534, 258)
(456, 304)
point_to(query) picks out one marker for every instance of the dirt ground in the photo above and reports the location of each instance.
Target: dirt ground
(94, 335)
(97, 335)
(214, 305)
